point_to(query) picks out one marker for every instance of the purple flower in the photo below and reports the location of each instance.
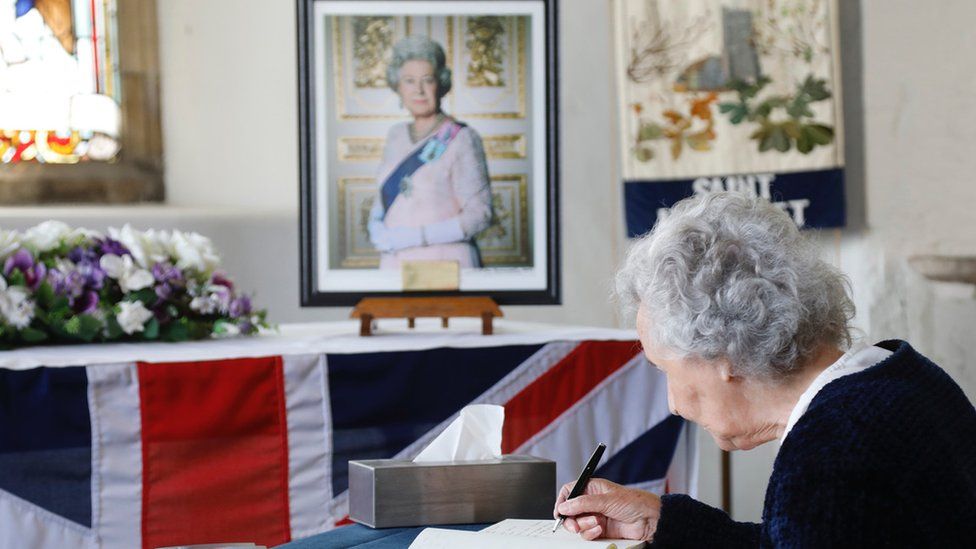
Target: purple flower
(23, 261)
(246, 327)
(240, 306)
(112, 246)
(92, 274)
(164, 292)
(167, 273)
(168, 280)
(69, 284)
(83, 255)
(220, 279)
(86, 303)
(221, 295)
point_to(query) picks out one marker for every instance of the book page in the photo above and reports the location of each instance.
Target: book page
(543, 529)
(436, 538)
(514, 534)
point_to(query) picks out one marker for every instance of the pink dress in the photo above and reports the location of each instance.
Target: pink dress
(455, 185)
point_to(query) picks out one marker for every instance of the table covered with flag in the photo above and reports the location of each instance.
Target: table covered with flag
(150, 445)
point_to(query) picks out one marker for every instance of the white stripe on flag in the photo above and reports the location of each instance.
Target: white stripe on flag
(503, 391)
(655, 486)
(113, 402)
(309, 446)
(617, 411)
(23, 524)
(683, 472)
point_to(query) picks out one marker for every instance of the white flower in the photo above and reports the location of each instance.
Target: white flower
(63, 264)
(9, 242)
(161, 243)
(15, 306)
(205, 305)
(194, 251)
(81, 233)
(143, 246)
(47, 235)
(129, 276)
(133, 316)
(226, 329)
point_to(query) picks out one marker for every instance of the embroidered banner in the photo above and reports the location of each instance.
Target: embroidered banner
(739, 95)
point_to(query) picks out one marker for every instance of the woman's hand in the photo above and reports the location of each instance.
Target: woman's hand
(609, 510)
(391, 239)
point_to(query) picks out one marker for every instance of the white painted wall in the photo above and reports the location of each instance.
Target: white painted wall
(229, 117)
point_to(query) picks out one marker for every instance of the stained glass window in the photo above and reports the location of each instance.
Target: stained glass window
(60, 92)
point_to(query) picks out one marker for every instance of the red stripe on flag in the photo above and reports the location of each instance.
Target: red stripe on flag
(344, 521)
(555, 391)
(214, 452)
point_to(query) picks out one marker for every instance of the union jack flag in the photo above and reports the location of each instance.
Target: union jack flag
(151, 454)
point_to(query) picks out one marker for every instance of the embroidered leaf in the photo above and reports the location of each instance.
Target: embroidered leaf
(702, 108)
(737, 111)
(644, 154)
(649, 131)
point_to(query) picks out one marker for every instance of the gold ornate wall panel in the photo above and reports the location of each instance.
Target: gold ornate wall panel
(361, 49)
(356, 196)
(499, 147)
(489, 63)
(506, 242)
(360, 149)
(487, 59)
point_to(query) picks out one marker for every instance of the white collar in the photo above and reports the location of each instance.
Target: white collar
(859, 357)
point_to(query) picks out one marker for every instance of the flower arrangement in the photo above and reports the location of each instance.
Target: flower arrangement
(65, 285)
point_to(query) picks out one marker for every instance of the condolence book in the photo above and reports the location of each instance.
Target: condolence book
(515, 534)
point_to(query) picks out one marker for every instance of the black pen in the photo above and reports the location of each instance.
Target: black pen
(584, 479)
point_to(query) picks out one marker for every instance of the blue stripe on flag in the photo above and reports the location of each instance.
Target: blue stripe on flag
(45, 439)
(383, 402)
(647, 457)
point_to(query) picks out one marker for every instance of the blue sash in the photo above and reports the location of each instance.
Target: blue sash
(431, 151)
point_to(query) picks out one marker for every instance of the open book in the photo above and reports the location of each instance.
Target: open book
(515, 534)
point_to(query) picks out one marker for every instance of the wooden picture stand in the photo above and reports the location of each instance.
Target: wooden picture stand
(411, 308)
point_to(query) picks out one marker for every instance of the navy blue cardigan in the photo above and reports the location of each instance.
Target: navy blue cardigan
(883, 457)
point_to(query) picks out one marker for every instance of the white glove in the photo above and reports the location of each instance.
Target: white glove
(391, 239)
(444, 232)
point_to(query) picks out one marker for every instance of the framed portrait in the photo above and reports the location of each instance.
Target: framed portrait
(428, 133)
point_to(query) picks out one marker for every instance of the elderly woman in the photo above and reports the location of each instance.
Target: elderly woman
(434, 194)
(878, 444)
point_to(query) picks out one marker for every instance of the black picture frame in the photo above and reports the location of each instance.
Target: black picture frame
(311, 294)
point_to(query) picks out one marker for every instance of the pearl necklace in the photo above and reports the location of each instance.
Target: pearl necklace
(413, 132)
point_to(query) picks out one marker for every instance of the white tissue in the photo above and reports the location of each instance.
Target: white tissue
(475, 434)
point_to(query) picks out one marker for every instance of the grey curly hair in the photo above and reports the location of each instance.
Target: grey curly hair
(726, 275)
(424, 49)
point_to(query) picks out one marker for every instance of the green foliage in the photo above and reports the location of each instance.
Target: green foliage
(16, 278)
(112, 328)
(797, 130)
(178, 330)
(151, 329)
(33, 335)
(146, 295)
(83, 327)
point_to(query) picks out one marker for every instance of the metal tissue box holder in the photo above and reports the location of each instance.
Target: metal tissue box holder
(385, 492)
